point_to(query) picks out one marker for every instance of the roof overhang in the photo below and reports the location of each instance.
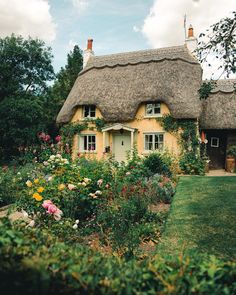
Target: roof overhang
(117, 127)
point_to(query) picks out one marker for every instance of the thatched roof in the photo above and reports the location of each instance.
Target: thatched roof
(219, 109)
(117, 84)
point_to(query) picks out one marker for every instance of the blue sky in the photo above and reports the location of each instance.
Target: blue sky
(109, 23)
(115, 25)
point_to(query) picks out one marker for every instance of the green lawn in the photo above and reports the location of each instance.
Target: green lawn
(202, 217)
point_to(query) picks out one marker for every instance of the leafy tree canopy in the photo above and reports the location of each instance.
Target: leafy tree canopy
(65, 80)
(220, 41)
(25, 65)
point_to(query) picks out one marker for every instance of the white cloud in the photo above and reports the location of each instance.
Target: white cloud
(80, 4)
(164, 25)
(27, 17)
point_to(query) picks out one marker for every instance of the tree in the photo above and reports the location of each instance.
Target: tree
(25, 66)
(25, 69)
(220, 42)
(65, 80)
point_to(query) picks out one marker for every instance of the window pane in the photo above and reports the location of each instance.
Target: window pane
(161, 137)
(157, 108)
(86, 111)
(149, 109)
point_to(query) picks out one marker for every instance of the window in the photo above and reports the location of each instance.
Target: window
(215, 141)
(154, 141)
(88, 143)
(89, 111)
(153, 109)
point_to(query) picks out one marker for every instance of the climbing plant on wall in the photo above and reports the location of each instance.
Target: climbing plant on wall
(187, 133)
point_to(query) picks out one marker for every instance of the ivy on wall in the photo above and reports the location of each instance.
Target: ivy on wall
(206, 89)
(186, 131)
(68, 131)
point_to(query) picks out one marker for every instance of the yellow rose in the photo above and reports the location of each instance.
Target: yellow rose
(40, 189)
(36, 181)
(29, 183)
(61, 187)
(37, 197)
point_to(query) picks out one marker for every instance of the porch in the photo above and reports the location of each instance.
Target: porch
(118, 140)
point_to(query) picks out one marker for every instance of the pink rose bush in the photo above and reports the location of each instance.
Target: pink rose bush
(52, 209)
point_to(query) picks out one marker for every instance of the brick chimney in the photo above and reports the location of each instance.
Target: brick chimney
(88, 52)
(191, 41)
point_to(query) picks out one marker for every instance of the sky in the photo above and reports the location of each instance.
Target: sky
(114, 25)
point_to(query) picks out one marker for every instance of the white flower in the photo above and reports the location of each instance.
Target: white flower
(128, 173)
(93, 196)
(99, 182)
(98, 193)
(32, 223)
(87, 180)
(52, 157)
(58, 156)
(45, 163)
(84, 183)
(75, 226)
(18, 173)
(205, 141)
(77, 221)
(25, 214)
(71, 186)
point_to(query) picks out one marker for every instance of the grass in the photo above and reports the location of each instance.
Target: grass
(202, 217)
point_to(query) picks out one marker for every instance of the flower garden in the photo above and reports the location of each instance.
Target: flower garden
(94, 227)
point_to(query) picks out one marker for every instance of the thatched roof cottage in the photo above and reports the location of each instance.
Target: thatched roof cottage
(129, 91)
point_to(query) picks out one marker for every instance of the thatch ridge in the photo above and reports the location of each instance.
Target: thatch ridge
(219, 109)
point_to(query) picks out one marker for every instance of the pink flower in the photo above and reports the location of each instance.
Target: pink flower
(52, 209)
(127, 173)
(46, 204)
(58, 138)
(57, 214)
(47, 138)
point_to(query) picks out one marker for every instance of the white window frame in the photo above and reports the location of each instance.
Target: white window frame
(89, 142)
(153, 106)
(153, 134)
(89, 111)
(217, 140)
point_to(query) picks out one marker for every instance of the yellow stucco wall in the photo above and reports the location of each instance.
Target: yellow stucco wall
(143, 125)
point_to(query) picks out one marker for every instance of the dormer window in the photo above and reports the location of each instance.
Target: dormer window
(153, 109)
(89, 111)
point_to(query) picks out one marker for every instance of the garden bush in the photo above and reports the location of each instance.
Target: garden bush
(156, 164)
(34, 262)
(192, 164)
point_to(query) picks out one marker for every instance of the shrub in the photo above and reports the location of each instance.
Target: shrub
(161, 189)
(156, 164)
(192, 164)
(36, 262)
(232, 151)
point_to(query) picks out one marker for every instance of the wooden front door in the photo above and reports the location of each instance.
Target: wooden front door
(121, 146)
(216, 148)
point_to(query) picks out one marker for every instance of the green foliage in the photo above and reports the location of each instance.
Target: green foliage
(220, 41)
(206, 89)
(36, 262)
(25, 66)
(64, 82)
(187, 134)
(232, 151)
(17, 114)
(192, 164)
(155, 163)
